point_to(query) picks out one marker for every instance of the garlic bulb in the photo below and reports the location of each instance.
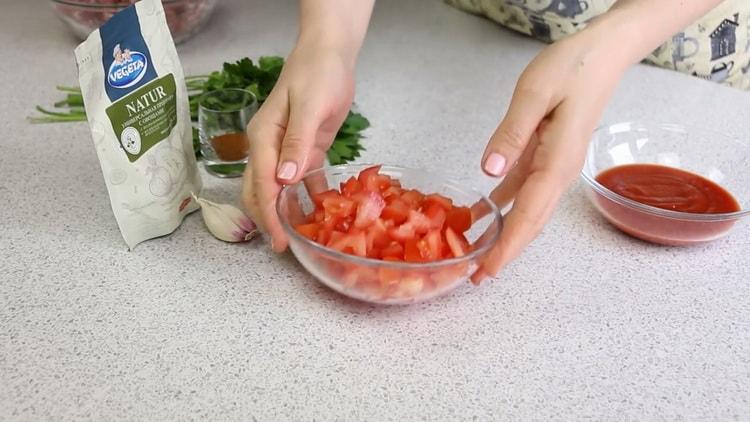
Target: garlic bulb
(226, 222)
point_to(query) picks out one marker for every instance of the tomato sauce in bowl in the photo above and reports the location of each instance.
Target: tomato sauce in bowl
(664, 204)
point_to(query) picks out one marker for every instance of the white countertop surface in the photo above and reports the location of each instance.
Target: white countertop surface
(587, 324)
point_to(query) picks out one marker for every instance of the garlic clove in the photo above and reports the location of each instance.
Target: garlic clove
(226, 222)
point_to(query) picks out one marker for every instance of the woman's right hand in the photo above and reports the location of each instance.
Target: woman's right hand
(294, 128)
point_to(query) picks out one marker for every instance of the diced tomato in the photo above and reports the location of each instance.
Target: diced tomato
(397, 211)
(459, 219)
(401, 233)
(377, 235)
(393, 250)
(334, 237)
(419, 222)
(318, 216)
(412, 198)
(434, 242)
(318, 198)
(392, 191)
(355, 243)
(437, 199)
(458, 246)
(350, 187)
(412, 252)
(436, 214)
(324, 236)
(373, 216)
(369, 207)
(339, 205)
(372, 181)
(309, 230)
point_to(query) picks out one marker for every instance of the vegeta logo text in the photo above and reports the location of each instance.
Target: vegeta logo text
(127, 69)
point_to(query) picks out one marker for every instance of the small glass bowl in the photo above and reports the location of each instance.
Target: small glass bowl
(184, 17)
(719, 158)
(386, 282)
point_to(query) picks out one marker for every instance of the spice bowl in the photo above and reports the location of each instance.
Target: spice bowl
(719, 158)
(378, 281)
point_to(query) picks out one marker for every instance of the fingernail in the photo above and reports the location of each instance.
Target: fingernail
(287, 170)
(272, 245)
(494, 164)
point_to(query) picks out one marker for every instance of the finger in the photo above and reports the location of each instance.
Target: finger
(304, 120)
(265, 133)
(317, 182)
(506, 191)
(527, 109)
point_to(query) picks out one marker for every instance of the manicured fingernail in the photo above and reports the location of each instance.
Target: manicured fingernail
(287, 170)
(494, 164)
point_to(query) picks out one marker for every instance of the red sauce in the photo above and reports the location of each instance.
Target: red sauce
(667, 188)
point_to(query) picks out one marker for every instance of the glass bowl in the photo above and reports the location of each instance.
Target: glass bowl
(387, 282)
(717, 157)
(184, 17)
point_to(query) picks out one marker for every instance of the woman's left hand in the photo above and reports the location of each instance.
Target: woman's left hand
(540, 145)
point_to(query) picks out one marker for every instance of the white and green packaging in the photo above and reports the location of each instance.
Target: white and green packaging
(137, 106)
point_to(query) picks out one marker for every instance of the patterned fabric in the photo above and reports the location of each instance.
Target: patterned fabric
(716, 47)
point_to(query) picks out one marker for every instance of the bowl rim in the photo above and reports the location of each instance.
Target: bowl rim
(649, 209)
(494, 211)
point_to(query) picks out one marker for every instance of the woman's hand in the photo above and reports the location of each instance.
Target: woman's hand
(540, 145)
(293, 130)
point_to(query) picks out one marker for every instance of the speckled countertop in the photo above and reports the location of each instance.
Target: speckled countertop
(587, 324)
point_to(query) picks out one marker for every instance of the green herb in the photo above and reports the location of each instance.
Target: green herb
(257, 78)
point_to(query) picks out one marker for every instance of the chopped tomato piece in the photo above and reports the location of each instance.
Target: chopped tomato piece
(339, 205)
(372, 181)
(392, 191)
(419, 222)
(324, 236)
(434, 242)
(350, 187)
(354, 243)
(309, 230)
(393, 250)
(459, 219)
(412, 252)
(437, 199)
(369, 207)
(401, 233)
(412, 197)
(318, 198)
(458, 246)
(377, 237)
(397, 211)
(436, 214)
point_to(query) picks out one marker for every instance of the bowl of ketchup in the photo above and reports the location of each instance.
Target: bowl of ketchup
(666, 183)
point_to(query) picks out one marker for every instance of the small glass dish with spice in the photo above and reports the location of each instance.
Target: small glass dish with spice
(666, 183)
(222, 118)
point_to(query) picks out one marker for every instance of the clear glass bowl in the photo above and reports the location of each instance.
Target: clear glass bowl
(366, 279)
(184, 17)
(719, 158)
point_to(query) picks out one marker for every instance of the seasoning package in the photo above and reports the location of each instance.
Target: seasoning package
(137, 106)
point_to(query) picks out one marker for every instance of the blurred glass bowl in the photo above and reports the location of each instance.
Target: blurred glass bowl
(719, 158)
(374, 280)
(184, 17)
